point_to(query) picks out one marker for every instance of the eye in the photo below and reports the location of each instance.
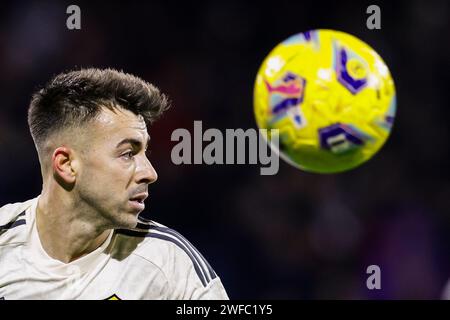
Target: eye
(129, 155)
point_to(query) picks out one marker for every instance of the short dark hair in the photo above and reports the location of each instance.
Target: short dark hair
(75, 97)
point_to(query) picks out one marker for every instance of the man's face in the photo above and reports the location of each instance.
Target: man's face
(114, 171)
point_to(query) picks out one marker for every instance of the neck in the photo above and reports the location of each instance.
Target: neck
(65, 229)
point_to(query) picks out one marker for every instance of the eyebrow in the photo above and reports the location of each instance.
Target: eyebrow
(134, 142)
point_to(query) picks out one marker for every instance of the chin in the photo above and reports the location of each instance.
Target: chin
(131, 221)
(125, 220)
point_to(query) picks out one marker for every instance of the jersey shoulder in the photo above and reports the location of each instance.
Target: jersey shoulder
(169, 250)
(446, 292)
(11, 211)
(12, 217)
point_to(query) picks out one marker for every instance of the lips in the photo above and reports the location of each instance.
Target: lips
(140, 197)
(137, 202)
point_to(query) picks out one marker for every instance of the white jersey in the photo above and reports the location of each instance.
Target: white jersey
(153, 262)
(446, 292)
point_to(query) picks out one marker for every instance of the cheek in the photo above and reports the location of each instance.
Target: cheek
(102, 187)
(106, 175)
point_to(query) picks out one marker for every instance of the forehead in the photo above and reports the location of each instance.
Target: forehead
(118, 124)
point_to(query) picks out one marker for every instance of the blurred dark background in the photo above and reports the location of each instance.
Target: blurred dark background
(294, 235)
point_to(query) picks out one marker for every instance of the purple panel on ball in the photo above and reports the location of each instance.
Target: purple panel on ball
(353, 85)
(335, 130)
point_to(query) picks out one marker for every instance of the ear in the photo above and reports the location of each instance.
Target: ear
(62, 164)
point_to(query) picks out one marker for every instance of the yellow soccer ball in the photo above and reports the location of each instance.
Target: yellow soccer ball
(331, 97)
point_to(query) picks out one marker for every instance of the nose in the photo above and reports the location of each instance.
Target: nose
(145, 172)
